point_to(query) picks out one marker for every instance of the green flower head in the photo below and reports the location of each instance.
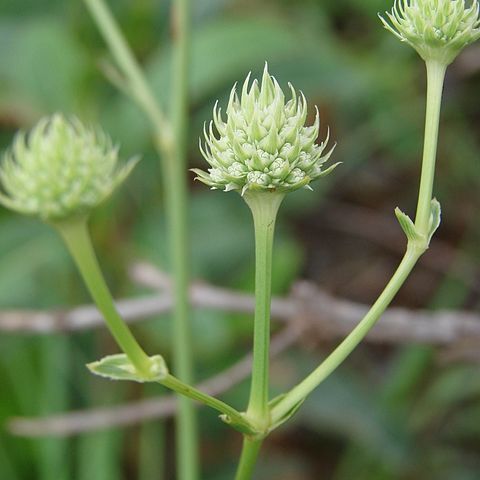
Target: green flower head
(437, 29)
(59, 170)
(264, 144)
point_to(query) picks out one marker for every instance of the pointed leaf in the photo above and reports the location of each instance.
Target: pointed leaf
(435, 218)
(119, 367)
(407, 226)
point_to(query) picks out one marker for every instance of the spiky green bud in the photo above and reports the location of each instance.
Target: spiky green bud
(264, 144)
(60, 169)
(438, 29)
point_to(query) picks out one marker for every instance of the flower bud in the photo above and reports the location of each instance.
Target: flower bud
(263, 145)
(437, 29)
(60, 169)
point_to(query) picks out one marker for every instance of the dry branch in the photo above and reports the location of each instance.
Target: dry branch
(331, 316)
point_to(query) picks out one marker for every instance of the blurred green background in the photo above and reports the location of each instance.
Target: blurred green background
(391, 412)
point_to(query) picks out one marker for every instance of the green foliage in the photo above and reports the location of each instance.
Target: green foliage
(421, 415)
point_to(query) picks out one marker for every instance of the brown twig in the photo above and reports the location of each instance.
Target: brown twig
(331, 316)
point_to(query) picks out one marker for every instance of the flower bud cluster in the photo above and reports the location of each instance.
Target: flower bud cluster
(60, 169)
(437, 29)
(264, 144)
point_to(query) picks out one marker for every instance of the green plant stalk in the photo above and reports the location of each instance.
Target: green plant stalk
(248, 459)
(75, 235)
(331, 363)
(230, 415)
(131, 73)
(264, 207)
(175, 185)
(435, 78)
(170, 141)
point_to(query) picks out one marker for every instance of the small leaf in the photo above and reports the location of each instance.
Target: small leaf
(407, 226)
(119, 367)
(274, 402)
(435, 218)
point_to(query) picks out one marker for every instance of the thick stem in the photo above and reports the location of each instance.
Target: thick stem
(76, 236)
(175, 166)
(435, 78)
(264, 207)
(329, 365)
(248, 459)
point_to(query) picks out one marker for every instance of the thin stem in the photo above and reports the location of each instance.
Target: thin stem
(329, 365)
(264, 207)
(172, 148)
(137, 85)
(233, 416)
(76, 237)
(248, 459)
(175, 185)
(435, 78)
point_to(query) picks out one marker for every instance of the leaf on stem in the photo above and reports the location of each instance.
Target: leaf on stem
(435, 218)
(119, 367)
(408, 226)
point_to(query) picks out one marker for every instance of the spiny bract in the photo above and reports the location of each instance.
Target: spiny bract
(264, 144)
(60, 169)
(437, 29)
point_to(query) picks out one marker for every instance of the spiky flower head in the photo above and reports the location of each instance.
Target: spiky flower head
(60, 169)
(437, 29)
(263, 145)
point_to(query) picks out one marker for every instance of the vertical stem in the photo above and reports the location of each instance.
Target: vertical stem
(175, 165)
(53, 397)
(264, 207)
(248, 459)
(76, 236)
(435, 78)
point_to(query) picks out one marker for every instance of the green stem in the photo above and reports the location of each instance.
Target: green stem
(137, 86)
(248, 459)
(76, 236)
(304, 388)
(171, 143)
(175, 184)
(232, 416)
(435, 78)
(264, 207)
